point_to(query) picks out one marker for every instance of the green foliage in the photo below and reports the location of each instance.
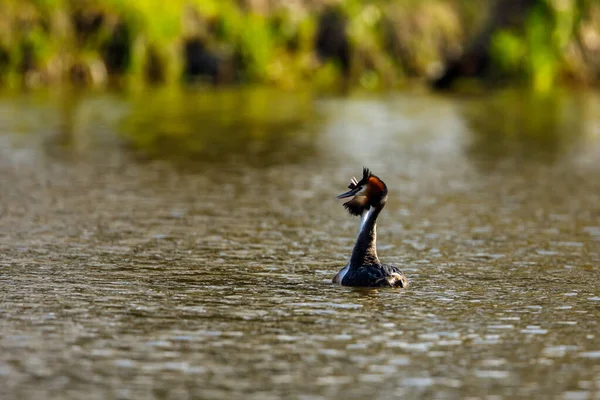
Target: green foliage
(46, 41)
(256, 46)
(537, 52)
(543, 52)
(508, 50)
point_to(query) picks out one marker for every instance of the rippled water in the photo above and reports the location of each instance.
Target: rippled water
(181, 245)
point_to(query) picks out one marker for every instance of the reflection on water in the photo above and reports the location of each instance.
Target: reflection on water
(526, 126)
(260, 126)
(129, 278)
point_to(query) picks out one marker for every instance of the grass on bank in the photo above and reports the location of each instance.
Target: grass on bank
(100, 42)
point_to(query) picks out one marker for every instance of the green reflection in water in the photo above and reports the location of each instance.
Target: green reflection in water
(257, 125)
(523, 126)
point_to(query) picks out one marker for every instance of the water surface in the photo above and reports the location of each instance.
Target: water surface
(179, 245)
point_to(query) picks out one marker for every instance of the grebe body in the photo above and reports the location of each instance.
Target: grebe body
(368, 197)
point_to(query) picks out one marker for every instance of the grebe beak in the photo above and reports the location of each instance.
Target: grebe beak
(350, 193)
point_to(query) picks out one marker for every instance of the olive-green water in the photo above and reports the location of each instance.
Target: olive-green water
(178, 245)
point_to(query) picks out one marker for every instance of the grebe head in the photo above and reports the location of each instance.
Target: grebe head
(369, 192)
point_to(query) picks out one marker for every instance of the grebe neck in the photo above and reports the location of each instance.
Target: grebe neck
(365, 250)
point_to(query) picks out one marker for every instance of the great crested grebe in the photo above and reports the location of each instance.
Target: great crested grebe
(364, 268)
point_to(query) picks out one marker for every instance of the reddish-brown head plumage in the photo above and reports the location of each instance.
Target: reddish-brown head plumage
(369, 191)
(375, 184)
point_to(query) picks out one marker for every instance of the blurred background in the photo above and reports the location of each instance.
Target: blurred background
(327, 43)
(168, 227)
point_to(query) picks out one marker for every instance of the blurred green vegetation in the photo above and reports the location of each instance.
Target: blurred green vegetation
(559, 41)
(327, 43)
